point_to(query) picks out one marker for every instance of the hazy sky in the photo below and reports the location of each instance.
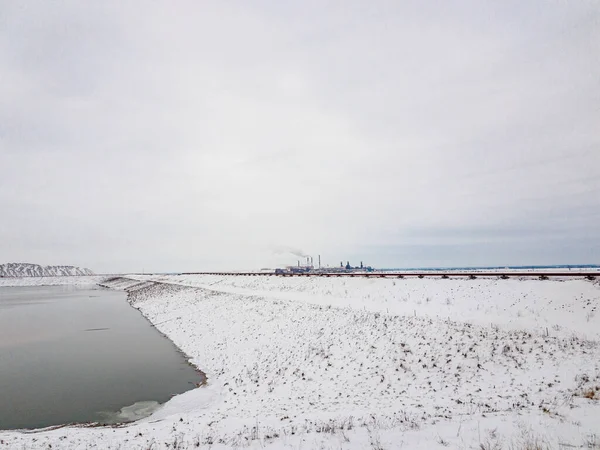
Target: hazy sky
(168, 136)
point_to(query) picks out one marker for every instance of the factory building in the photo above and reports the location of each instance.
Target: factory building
(309, 267)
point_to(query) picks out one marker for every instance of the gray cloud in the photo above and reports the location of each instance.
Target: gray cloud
(205, 136)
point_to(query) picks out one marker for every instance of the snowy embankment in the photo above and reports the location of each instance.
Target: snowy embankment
(563, 306)
(367, 363)
(51, 281)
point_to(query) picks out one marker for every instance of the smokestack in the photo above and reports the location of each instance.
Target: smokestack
(319, 261)
(298, 263)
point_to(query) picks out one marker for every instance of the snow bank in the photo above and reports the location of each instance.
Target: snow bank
(365, 363)
(564, 307)
(51, 281)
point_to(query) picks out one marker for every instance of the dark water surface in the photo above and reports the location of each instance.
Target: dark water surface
(82, 355)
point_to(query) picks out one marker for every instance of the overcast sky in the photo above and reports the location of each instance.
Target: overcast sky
(170, 136)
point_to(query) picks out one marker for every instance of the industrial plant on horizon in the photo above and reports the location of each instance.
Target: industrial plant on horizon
(310, 268)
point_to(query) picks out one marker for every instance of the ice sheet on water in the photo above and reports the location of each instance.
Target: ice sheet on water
(131, 413)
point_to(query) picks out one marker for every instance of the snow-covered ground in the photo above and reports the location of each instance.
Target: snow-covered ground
(367, 363)
(51, 281)
(562, 307)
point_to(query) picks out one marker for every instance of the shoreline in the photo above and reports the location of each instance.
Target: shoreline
(187, 357)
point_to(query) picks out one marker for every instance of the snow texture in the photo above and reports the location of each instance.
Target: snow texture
(35, 270)
(366, 363)
(82, 281)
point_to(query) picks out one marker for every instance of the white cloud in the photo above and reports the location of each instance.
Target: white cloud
(193, 136)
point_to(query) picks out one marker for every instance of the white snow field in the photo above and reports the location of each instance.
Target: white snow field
(332, 363)
(78, 280)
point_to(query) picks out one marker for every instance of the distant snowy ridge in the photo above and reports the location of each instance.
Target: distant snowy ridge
(35, 270)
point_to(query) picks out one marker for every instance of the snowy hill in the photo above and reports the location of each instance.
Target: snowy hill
(35, 270)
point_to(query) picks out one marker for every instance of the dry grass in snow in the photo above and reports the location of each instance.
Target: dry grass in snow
(398, 365)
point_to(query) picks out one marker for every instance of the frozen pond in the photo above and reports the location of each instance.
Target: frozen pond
(82, 355)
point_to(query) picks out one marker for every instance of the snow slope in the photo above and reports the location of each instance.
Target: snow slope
(35, 270)
(564, 307)
(52, 281)
(366, 363)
